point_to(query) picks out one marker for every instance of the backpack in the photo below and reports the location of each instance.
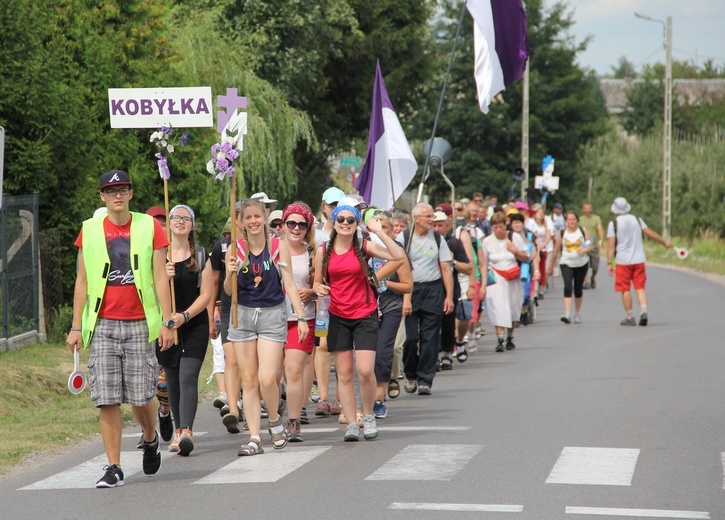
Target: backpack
(529, 236)
(274, 252)
(201, 258)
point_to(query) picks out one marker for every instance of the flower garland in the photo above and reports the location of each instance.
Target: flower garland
(163, 138)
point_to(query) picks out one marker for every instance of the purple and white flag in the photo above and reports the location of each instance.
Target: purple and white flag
(500, 46)
(389, 163)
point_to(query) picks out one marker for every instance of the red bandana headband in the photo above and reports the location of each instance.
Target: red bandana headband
(298, 209)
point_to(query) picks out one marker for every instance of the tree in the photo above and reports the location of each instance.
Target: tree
(624, 69)
(566, 108)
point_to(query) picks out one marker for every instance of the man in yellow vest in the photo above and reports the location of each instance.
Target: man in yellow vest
(121, 295)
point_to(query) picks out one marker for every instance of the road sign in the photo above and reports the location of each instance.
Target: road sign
(2, 158)
(350, 162)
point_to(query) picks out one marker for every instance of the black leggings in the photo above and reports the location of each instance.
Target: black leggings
(183, 383)
(577, 274)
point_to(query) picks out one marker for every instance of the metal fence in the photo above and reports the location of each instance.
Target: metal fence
(19, 272)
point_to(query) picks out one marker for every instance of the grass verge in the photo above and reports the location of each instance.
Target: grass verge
(705, 254)
(37, 413)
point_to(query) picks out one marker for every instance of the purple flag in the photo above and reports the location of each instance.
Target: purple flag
(501, 49)
(389, 163)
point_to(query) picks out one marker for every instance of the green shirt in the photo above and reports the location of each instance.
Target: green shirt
(591, 224)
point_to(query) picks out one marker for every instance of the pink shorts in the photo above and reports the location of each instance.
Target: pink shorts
(293, 341)
(629, 274)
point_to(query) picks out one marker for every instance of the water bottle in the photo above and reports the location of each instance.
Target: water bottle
(587, 243)
(382, 285)
(322, 320)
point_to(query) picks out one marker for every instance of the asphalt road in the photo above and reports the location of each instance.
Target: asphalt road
(580, 421)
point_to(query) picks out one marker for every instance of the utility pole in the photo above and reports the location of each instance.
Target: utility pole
(525, 133)
(667, 128)
(667, 137)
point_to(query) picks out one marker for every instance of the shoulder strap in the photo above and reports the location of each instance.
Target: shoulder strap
(437, 237)
(201, 257)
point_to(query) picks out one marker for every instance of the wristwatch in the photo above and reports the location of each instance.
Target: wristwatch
(169, 324)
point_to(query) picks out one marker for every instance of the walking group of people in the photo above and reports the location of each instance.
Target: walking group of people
(394, 299)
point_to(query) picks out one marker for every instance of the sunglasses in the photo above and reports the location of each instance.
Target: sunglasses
(383, 213)
(291, 224)
(342, 219)
(276, 223)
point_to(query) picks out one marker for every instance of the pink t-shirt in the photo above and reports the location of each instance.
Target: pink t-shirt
(120, 300)
(351, 296)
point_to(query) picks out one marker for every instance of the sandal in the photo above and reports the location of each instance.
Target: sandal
(393, 389)
(278, 433)
(253, 447)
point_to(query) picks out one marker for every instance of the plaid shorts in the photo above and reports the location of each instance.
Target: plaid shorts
(122, 367)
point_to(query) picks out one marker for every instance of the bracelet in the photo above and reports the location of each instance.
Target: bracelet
(73, 329)
(186, 316)
(301, 319)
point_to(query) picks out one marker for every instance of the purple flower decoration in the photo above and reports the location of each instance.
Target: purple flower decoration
(232, 154)
(226, 147)
(222, 165)
(184, 139)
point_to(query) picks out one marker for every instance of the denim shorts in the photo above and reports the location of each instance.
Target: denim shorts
(122, 367)
(269, 323)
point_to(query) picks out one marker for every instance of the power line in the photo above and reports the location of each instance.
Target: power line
(698, 55)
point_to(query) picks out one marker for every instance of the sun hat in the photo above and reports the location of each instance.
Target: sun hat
(620, 206)
(520, 205)
(274, 215)
(262, 197)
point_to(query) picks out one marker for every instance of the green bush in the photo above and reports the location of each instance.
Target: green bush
(60, 323)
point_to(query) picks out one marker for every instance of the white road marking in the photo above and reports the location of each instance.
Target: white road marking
(85, 475)
(489, 508)
(639, 513)
(423, 428)
(270, 466)
(594, 466)
(722, 458)
(426, 462)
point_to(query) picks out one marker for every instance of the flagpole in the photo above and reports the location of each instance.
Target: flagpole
(392, 186)
(440, 103)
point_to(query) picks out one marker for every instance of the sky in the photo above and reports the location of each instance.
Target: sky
(698, 31)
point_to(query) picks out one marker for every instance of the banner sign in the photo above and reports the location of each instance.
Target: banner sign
(180, 107)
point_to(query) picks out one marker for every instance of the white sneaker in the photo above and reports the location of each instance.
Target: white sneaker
(370, 427)
(472, 346)
(577, 318)
(220, 400)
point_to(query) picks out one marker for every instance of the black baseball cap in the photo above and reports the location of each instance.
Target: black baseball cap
(115, 178)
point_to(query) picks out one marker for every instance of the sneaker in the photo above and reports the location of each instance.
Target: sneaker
(186, 442)
(462, 354)
(139, 445)
(231, 421)
(447, 363)
(472, 346)
(174, 444)
(643, 319)
(112, 477)
(151, 457)
(628, 321)
(315, 392)
(224, 410)
(323, 409)
(166, 426)
(370, 427)
(577, 318)
(294, 433)
(587, 286)
(593, 284)
(335, 407)
(352, 434)
(220, 400)
(500, 346)
(510, 344)
(380, 411)
(566, 319)
(411, 385)
(303, 417)
(423, 389)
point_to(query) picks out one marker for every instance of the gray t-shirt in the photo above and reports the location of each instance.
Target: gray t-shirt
(425, 256)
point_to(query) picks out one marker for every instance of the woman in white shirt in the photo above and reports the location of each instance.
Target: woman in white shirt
(573, 245)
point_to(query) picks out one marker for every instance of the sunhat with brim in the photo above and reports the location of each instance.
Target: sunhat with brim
(620, 206)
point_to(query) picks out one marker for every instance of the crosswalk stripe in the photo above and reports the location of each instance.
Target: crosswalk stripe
(270, 466)
(595, 466)
(426, 462)
(423, 428)
(485, 508)
(136, 435)
(641, 513)
(85, 475)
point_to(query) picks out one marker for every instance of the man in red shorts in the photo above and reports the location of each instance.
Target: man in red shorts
(625, 246)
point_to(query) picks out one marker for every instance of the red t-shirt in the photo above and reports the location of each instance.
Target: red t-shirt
(350, 294)
(120, 299)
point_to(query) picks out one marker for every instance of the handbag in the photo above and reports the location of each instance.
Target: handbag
(490, 277)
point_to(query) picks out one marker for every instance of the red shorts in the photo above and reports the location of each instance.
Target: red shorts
(629, 274)
(293, 341)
